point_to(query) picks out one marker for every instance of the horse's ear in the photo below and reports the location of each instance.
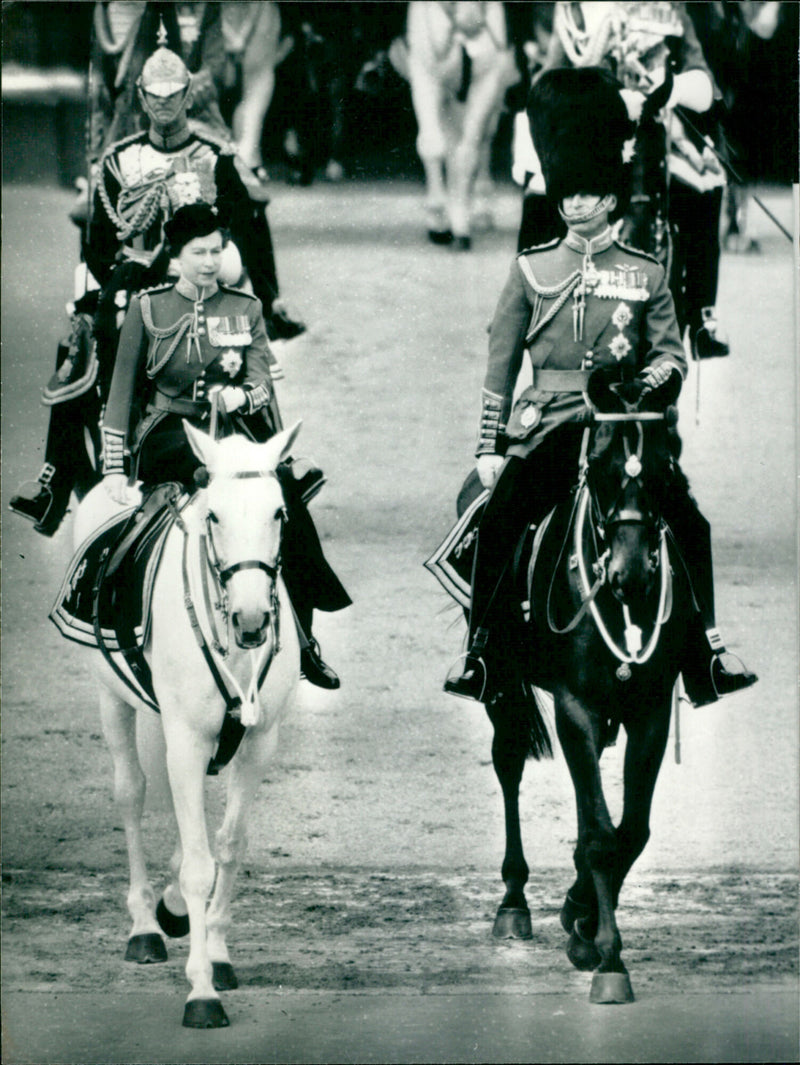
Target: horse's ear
(284, 440)
(202, 444)
(600, 395)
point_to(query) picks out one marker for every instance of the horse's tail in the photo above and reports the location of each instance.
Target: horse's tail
(519, 715)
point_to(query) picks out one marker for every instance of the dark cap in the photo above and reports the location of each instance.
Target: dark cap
(579, 124)
(193, 220)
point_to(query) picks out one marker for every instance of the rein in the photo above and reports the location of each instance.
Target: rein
(634, 653)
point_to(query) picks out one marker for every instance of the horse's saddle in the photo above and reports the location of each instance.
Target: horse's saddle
(105, 598)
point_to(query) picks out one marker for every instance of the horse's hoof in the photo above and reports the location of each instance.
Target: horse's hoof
(440, 236)
(583, 954)
(611, 989)
(173, 924)
(462, 243)
(512, 924)
(571, 912)
(223, 976)
(146, 949)
(205, 1013)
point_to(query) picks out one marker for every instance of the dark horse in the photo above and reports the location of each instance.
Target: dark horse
(610, 606)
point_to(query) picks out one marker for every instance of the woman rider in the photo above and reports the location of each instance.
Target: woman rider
(181, 343)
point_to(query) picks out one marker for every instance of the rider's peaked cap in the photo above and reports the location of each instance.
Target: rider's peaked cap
(164, 73)
(193, 220)
(579, 124)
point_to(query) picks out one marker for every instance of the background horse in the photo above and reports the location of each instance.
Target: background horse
(227, 544)
(459, 65)
(607, 638)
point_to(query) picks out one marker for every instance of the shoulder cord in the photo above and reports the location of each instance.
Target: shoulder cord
(177, 331)
(582, 49)
(150, 193)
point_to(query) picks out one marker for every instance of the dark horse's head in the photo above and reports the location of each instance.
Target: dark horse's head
(631, 469)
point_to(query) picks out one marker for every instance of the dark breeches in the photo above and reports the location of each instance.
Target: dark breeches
(695, 269)
(525, 491)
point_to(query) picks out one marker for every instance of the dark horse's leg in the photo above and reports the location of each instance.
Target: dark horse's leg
(509, 749)
(579, 731)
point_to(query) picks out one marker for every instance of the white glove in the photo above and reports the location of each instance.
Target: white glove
(232, 398)
(656, 376)
(634, 101)
(118, 489)
(488, 466)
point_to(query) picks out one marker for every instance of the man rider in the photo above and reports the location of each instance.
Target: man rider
(575, 304)
(143, 179)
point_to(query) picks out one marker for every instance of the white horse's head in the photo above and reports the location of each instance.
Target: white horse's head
(243, 509)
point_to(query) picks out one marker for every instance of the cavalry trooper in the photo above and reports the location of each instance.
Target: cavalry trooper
(143, 179)
(179, 344)
(576, 303)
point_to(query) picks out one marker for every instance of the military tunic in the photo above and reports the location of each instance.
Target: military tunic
(572, 305)
(177, 342)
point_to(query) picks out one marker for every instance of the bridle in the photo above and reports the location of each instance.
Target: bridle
(586, 505)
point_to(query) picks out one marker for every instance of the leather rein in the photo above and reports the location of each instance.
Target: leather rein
(586, 504)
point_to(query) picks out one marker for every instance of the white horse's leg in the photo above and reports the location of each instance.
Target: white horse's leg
(188, 754)
(119, 727)
(246, 772)
(261, 55)
(428, 98)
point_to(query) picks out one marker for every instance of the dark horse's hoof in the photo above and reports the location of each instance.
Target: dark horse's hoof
(205, 1013)
(462, 243)
(440, 236)
(223, 976)
(512, 924)
(146, 949)
(571, 912)
(582, 952)
(611, 989)
(173, 924)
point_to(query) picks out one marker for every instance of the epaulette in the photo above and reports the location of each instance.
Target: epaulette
(540, 247)
(236, 291)
(163, 287)
(115, 147)
(637, 251)
(210, 136)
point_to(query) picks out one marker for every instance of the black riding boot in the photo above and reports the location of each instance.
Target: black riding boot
(66, 467)
(709, 671)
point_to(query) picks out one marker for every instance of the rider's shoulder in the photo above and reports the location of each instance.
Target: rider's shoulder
(230, 291)
(535, 249)
(154, 290)
(206, 135)
(637, 253)
(125, 142)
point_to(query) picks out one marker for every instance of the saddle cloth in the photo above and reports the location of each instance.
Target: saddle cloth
(129, 547)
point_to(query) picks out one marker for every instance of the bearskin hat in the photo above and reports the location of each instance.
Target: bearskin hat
(579, 124)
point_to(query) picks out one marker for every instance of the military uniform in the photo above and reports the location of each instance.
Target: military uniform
(572, 305)
(182, 341)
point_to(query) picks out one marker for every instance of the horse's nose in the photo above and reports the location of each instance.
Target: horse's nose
(250, 631)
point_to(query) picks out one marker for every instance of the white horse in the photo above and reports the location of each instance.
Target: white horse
(228, 544)
(459, 65)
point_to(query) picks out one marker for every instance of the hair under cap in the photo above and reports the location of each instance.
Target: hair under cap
(193, 220)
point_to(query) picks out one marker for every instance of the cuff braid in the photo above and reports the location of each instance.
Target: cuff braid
(489, 430)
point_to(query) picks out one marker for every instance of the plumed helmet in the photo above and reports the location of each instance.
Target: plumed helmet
(192, 220)
(164, 73)
(579, 124)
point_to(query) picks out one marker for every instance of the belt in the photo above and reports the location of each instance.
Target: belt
(560, 380)
(179, 405)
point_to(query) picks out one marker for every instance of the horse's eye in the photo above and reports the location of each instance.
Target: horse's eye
(213, 517)
(280, 514)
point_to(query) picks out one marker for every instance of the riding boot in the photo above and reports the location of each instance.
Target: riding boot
(709, 670)
(312, 666)
(66, 468)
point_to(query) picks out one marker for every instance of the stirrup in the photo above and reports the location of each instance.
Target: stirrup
(462, 685)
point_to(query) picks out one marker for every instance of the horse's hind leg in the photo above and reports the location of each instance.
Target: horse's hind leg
(513, 920)
(246, 772)
(145, 943)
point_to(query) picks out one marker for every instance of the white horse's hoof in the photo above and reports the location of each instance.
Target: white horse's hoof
(223, 977)
(146, 949)
(205, 1013)
(609, 989)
